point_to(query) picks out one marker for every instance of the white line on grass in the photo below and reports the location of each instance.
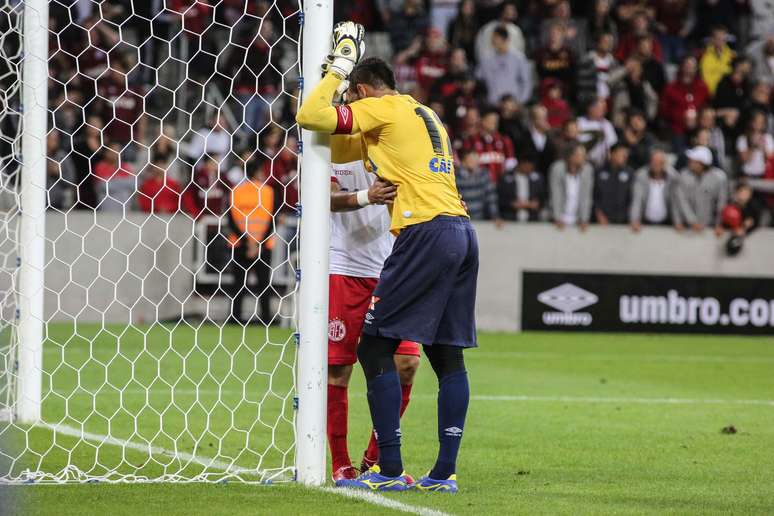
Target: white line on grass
(146, 448)
(384, 502)
(368, 497)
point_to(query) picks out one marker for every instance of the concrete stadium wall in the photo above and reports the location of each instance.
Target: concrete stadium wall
(103, 267)
(655, 250)
(106, 268)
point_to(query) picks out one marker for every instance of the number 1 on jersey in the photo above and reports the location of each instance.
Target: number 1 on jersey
(442, 161)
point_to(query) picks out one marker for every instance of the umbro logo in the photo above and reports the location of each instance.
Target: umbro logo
(453, 431)
(567, 298)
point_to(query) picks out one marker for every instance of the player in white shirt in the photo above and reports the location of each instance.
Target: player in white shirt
(360, 242)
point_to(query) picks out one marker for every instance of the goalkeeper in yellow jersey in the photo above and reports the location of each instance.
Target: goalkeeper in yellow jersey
(427, 289)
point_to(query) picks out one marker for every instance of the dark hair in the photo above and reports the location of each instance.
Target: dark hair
(618, 145)
(742, 184)
(490, 110)
(501, 31)
(374, 72)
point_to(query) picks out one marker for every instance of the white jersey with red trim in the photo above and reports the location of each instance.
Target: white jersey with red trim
(360, 239)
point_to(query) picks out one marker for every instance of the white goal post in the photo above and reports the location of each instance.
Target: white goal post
(122, 355)
(315, 231)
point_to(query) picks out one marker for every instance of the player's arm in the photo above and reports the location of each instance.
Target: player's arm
(316, 113)
(380, 192)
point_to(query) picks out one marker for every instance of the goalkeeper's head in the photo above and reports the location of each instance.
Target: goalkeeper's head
(371, 77)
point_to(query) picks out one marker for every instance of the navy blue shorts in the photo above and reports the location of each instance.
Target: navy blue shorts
(427, 290)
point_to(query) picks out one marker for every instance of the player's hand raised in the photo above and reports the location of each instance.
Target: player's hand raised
(382, 192)
(348, 47)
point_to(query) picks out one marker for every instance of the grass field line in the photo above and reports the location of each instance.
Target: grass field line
(371, 498)
(72, 431)
(475, 397)
(384, 502)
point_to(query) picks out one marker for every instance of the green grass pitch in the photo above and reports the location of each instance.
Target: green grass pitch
(558, 424)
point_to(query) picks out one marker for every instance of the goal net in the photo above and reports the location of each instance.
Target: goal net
(168, 278)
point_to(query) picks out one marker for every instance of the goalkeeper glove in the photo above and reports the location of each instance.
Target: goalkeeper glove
(348, 48)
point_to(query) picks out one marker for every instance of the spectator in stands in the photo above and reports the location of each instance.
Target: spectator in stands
(114, 181)
(431, 63)
(536, 141)
(568, 137)
(575, 35)
(760, 100)
(633, 92)
(521, 192)
(653, 192)
(640, 27)
(716, 60)
(209, 188)
(494, 150)
(442, 12)
(636, 136)
(555, 59)
(748, 207)
(463, 30)
(212, 140)
(652, 70)
(476, 188)
(159, 193)
(505, 71)
(600, 20)
(572, 189)
(60, 174)
(701, 193)
(251, 218)
(255, 64)
(729, 13)
(683, 97)
(707, 121)
(123, 108)
(507, 20)
(552, 98)
(755, 147)
(675, 21)
(762, 19)
(762, 56)
(612, 188)
(608, 69)
(732, 91)
(406, 25)
(596, 132)
(511, 123)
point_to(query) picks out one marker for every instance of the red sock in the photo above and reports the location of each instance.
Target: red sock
(337, 426)
(372, 452)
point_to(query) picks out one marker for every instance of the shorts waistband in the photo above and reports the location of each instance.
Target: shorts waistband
(442, 221)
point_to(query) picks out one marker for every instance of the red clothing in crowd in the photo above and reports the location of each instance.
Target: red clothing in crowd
(210, 193)
(769, 174)
(197, 14)
(431, 66)
(122, 112)
(493, 150)
(677, 98)
(628, 44)
(163, 195)
(107, 170)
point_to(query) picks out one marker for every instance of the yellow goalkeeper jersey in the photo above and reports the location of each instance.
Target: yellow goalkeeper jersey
(407, 144)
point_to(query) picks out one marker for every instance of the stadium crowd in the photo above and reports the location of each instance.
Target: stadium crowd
(602, 112)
